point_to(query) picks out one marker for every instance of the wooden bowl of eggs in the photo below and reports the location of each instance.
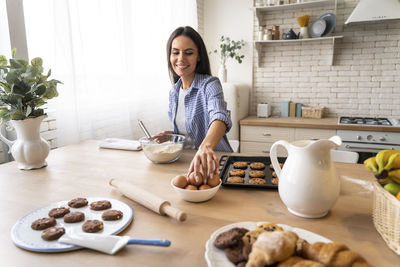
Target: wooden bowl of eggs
(195, 191)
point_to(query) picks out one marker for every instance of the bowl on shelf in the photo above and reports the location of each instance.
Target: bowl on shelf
(317, 28)
(330, 20)
(196, 195)
(166, 151)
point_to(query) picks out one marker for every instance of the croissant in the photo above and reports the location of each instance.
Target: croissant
(332, 255)
(296, 261)
(272, 247)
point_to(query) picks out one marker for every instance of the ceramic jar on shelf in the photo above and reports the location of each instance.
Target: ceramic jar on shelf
(276, 33)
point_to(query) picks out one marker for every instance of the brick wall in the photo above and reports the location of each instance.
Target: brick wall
(363, 80)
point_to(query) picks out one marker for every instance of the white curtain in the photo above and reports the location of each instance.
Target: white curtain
(111, 57)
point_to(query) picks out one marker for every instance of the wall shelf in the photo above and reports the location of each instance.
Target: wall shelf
(259, 44)
(262, 9)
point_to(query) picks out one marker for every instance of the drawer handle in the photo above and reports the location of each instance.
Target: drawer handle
(266, 134)
(265, 151)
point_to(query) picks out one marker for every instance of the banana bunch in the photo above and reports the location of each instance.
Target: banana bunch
(385, 166)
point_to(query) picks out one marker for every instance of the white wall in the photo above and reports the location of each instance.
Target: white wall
(232, 18)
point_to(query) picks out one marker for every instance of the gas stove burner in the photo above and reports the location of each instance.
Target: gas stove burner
(368, 121)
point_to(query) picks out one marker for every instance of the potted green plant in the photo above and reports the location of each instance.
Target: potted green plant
(24, 89)
(228, 49)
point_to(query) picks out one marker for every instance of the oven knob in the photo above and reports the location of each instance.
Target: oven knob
(369, 137)
(382, 139)
(359, 137)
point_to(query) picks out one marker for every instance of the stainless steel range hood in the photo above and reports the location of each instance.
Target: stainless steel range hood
(375, 10)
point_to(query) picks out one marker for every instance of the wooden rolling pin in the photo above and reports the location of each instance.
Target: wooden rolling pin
(148, 199)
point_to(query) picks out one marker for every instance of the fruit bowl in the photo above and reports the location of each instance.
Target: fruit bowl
(166, 151)
(196, 195)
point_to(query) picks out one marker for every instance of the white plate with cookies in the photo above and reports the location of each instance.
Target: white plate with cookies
(25, 237)
(216, 257)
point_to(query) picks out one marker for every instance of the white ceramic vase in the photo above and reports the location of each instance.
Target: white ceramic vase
(29, 150)
(222, 73)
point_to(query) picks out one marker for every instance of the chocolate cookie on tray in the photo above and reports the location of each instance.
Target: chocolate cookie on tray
(256, 174)
(78, 202)
(257, 166)
(240, 165)
(92, 226)
(74, 217)
(112, 215)
(257, 181)
(58, 212)
(237, 172)
(100, 205)
(235, 180)
(53, 233)
(41, 224)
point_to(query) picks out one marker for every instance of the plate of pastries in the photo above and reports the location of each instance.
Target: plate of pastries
(259, 244)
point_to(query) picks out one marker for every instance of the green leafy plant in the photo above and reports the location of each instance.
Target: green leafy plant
(230, 49)
(24, 89)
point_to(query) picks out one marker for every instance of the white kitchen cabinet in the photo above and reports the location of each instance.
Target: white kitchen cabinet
(259, 139)
(305, 134)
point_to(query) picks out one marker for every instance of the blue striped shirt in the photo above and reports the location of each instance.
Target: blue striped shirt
(204, 104)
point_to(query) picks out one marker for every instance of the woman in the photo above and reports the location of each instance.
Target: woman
(196, 102)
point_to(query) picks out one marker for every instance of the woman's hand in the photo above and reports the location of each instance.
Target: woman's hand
(162, 137)
(206, 162)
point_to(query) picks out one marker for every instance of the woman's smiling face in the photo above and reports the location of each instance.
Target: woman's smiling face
(184, 57)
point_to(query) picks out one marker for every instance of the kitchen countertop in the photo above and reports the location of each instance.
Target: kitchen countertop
(84, 170)
(324, 123)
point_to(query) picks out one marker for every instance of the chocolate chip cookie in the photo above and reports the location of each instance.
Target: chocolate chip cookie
(58, 212)
(240, 165)
(257, 166)
(269, 227)
(112, 215)
(235, 180)
(78, 202)
(53, 233)
(92, 226)
(272, 166)
(41, 224)
(257, 181)
(230, 238)
(100, 205)
(237, 172)
(74, 217)
(256, 174)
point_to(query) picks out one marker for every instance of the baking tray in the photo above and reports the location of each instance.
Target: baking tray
(226, 165)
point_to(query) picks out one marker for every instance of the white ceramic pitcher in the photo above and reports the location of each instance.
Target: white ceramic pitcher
(29, 150)
(308, 183)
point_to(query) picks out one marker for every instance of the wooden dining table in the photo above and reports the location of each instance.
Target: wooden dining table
(84, 170)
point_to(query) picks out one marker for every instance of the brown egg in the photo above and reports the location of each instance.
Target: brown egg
(192, 179)
(214, 181)
(204, 186)
(180, 181)
(191, 187)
